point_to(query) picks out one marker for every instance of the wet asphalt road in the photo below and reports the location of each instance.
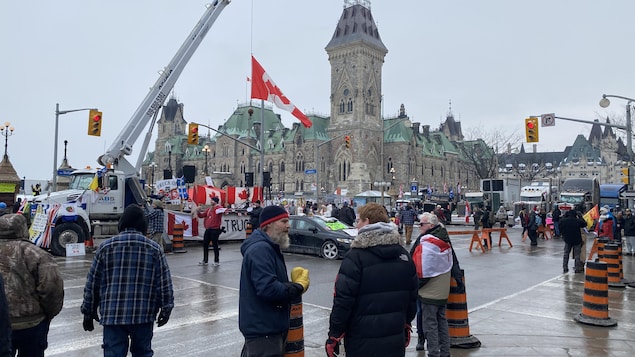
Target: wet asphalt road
(519, 303)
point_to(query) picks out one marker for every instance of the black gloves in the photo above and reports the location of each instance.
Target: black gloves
(88, 321)
(163, 318)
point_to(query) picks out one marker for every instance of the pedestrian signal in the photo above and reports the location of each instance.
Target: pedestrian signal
(192, 134)
(94, 122)
(531, 130)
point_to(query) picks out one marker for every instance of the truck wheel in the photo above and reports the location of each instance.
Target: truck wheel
(65, 233)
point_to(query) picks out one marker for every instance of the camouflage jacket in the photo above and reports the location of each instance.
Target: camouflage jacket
(33, 283)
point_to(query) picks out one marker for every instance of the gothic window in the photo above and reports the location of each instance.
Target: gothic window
(282, 166)
(297, 185)
(168, 147)
(343, 170)
(213, 153)
(350, 105)
(242, 167)
(299, 163)
(370, 92)
(389, 165)
(342, 106)
(282, 143)
(270, 145)
(346, 92)
(225, 150)
(270, 166)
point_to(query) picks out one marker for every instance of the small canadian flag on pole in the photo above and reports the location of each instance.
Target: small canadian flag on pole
(263, 87)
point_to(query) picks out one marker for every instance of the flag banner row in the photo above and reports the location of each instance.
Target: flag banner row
(235, 225)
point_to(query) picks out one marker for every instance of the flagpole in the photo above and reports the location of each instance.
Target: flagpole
(262, 147)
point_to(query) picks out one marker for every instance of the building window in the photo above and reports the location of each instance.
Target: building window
(350, 105)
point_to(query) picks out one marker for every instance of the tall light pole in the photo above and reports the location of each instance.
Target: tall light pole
(153, 165)
(206, 150)
(7, 131)
(383, 182)
(59, 112)
(604, 102)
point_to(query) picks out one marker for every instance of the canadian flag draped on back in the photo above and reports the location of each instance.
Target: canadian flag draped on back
(263, 87)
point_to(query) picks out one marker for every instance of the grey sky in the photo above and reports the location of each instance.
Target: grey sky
(497, 60)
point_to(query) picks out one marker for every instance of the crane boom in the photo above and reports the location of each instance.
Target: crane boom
(122, 146)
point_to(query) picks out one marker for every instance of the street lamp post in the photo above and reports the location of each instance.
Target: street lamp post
(7, 131)
(383, 182)
(604, 102)
(153, 165)
(59, 112)
(206, 150)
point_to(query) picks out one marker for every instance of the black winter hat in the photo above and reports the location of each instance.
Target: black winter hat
(133, 217)
(271, 214)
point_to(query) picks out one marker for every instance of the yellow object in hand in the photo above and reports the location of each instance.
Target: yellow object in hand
(300, 275)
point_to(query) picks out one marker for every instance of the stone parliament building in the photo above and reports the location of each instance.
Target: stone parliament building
(382, 150)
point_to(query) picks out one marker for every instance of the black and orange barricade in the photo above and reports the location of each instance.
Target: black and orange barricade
(248, 229)
(456, 314)
(598, 247)
(178, 245)
(595, 302)
(611, 256)
(295, 336)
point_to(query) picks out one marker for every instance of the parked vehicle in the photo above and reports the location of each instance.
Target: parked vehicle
(611, 195)
(323, 236)
(579, 193)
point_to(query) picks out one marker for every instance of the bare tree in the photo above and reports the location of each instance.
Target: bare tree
(481, 148)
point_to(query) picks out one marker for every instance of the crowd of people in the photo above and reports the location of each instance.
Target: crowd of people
(381, 287)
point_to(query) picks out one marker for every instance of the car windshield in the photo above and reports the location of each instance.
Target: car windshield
(81, 181)
(330, 223)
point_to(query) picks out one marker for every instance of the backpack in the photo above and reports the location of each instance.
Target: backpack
(534, 223)
(432, 257)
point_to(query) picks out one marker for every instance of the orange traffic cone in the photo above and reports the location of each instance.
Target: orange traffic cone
(295, 336)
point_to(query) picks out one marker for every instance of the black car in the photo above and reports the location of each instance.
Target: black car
(324, 236)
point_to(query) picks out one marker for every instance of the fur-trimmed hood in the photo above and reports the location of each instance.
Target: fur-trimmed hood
(375, 234)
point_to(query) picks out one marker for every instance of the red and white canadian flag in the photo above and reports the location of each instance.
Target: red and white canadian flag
(263, 87)
(190, 226)
(240, 195)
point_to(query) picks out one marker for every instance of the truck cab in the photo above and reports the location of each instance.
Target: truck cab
(89, 208)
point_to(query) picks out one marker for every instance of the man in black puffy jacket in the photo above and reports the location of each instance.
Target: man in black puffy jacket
(570, 227)
(375, 291)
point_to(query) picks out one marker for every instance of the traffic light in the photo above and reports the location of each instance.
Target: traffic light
(94, 122)
(192, 134)
(347, 141)
(531, 130)
(626, 177)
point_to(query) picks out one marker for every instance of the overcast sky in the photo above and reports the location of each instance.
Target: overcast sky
(498, 61)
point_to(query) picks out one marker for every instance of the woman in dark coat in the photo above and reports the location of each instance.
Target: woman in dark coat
(375, 291)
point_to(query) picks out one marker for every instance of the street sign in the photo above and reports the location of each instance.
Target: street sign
(548, 119)
(310, 172)
(64, 172)
(413, 187)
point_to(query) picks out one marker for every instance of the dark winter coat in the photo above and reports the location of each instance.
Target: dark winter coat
(347, 215)
(265, 291)
(570, 227)
(629, 225)
(375, 294)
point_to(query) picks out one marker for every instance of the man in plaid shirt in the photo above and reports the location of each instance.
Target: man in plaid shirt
(408, 217)
(155, 222)
(129, 281)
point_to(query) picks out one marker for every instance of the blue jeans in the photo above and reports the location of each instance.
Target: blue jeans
(32, 341)
(435, 326)
(116, 340)
(556, 227)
